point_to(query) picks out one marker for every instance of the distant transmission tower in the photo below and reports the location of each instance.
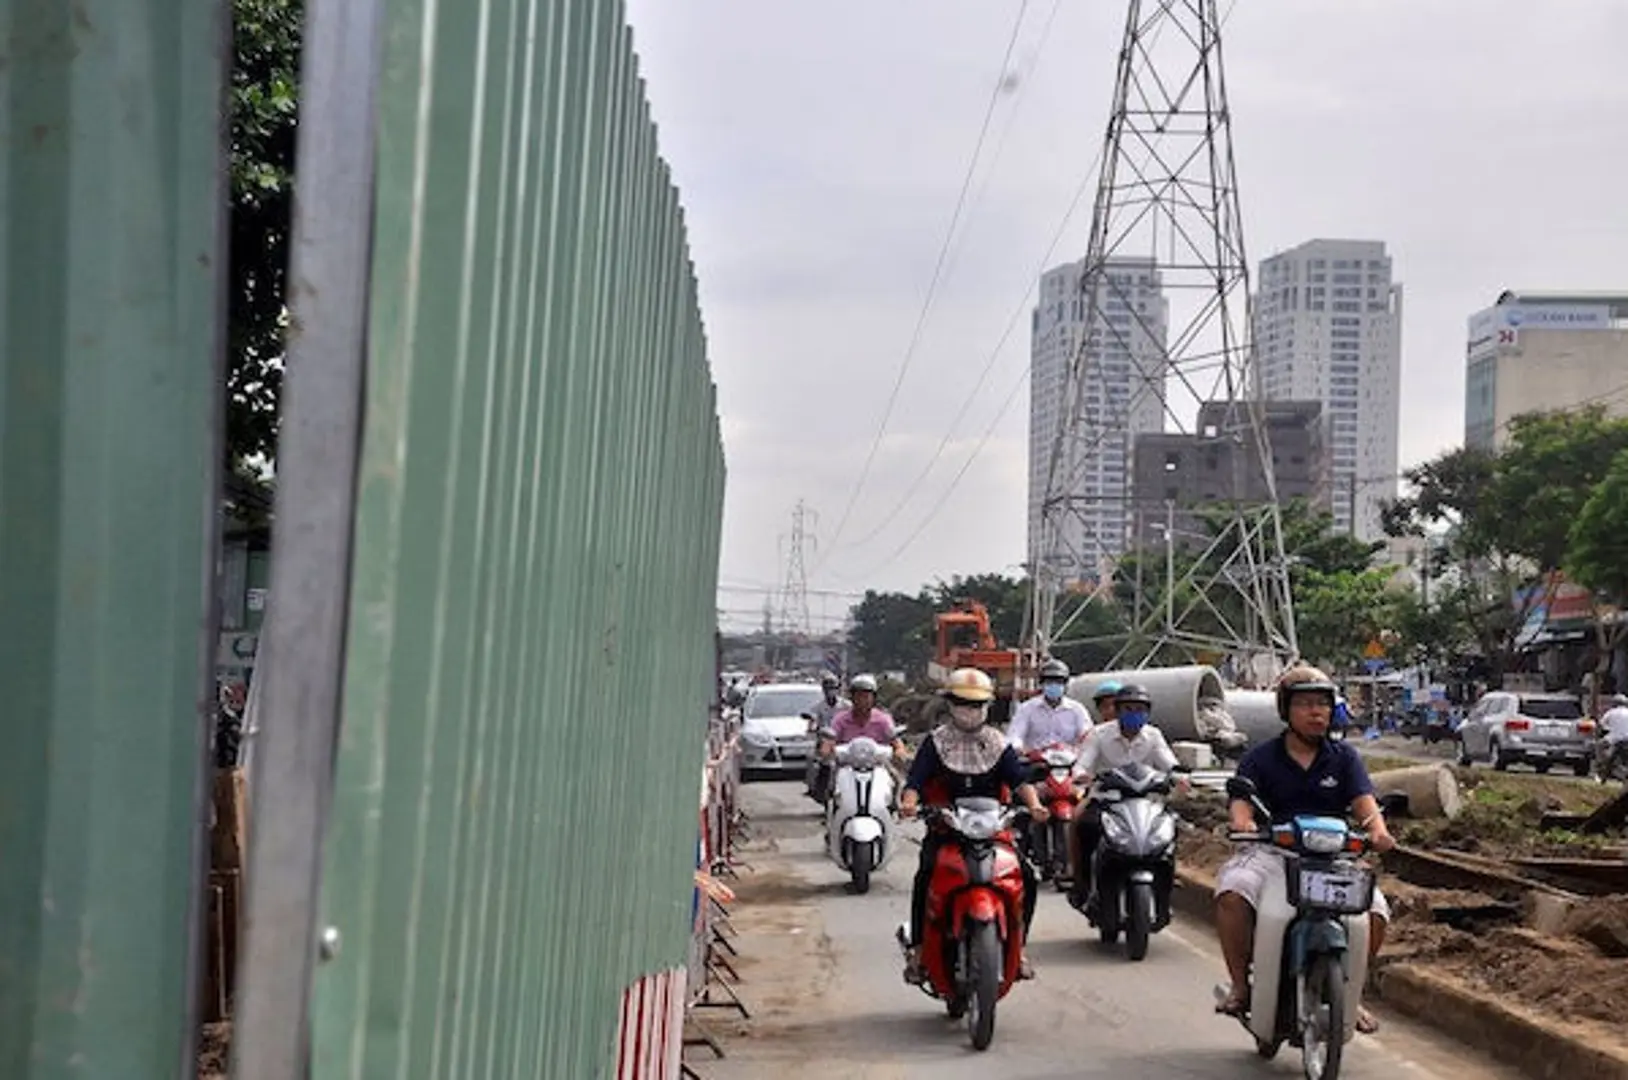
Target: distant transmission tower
(794, 615)
(1167, 207)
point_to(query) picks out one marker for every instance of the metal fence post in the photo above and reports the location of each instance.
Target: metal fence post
(303, 653)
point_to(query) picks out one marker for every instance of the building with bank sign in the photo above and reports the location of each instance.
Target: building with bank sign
(1541, 352)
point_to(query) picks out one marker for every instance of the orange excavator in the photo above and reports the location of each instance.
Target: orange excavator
(966, 640)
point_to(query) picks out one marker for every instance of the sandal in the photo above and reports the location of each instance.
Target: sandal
(1367, 1022)
(1025, 969)
(1233, 1006)
(914, 973)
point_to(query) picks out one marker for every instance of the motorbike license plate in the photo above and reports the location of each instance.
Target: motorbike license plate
(1340, 891)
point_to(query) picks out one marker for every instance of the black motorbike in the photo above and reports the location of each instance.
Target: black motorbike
(1133, 868)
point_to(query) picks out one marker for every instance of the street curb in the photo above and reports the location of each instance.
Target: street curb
(1538, 1048)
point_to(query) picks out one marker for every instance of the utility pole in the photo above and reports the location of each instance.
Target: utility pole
(1167, 218)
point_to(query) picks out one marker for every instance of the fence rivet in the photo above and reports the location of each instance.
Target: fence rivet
(328, 946)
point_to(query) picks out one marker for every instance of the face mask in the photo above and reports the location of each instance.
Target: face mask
(1132, 722)
(967, 717)
(1053, 692)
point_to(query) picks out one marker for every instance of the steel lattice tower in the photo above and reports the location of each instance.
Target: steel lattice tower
(794, 613)
(1167, 194)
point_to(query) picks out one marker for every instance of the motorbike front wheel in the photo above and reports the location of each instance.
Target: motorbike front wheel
(1059, 851)
(859, 867)
(1138, 919)
(1322, 1018)
(983, 983)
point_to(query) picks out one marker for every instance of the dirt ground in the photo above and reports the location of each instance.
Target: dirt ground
(1577, 976)
(214, 1051)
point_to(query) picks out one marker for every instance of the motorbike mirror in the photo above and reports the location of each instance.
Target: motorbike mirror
(1394, 804)
(1240, 787)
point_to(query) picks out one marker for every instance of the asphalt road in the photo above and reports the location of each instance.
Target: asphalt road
(823, 977)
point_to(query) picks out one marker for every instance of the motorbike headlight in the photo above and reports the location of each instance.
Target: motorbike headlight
(979, 826)
(1322, 841)
(1164, 833)
(1114, 829)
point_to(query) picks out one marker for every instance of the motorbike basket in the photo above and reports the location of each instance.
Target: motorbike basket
(1341, 886)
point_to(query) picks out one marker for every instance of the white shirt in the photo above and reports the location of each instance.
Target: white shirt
(1107, 748)
(1615, 724)
(1038, 724)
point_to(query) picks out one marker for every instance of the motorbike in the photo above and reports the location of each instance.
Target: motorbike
(1133, 867)
(859, 815)
(973, 933)
(1311, 937)
(1052, 773)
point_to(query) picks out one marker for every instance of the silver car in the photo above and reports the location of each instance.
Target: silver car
(775, 735)
(1541, 730)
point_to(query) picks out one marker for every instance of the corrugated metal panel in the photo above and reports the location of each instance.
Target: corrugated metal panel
(109, 256)
(530, 652)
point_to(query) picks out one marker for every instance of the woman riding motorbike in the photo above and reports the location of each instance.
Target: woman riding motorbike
(965, 758)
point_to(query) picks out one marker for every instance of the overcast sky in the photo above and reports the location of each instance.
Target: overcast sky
(820, 147)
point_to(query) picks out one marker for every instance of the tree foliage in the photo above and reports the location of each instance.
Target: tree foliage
(262, 118)
(1510, 520)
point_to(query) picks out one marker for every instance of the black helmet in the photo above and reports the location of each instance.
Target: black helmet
(1300, 679)
(1053, 671)
(1133, 693)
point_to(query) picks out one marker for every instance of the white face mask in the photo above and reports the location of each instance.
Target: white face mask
(968, 717)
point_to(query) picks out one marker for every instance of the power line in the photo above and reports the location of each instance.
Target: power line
(938, 270)
(921, 526)
(1086, 184)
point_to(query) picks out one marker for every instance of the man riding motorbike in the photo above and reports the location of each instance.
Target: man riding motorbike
(1051, 719)
(1613, 735)
(1119, 742)
(1299, 773)
(1103, 701)
(862, 718)
(963, 759)
(820, 717)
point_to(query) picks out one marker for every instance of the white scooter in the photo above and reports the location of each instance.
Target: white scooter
(1311, 937)
(859, 817)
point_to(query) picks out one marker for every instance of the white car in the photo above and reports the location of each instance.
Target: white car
(774, 732)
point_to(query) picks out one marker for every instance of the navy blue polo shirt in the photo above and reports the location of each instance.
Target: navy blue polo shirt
(1336, 778)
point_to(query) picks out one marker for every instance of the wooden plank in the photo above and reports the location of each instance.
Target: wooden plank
(1613, 815)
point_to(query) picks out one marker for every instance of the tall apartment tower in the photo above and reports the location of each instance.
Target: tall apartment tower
(1124, 397)
(1328, 328)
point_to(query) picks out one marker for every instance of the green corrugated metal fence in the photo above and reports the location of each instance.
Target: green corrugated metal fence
(109, 262)
(530, 653)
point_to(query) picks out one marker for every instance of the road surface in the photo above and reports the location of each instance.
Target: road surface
(823, 978)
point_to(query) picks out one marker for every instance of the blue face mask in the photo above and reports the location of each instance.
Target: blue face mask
(1053, 691)
(1132, 722)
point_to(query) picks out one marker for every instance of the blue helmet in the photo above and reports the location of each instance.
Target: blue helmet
(1108, 689)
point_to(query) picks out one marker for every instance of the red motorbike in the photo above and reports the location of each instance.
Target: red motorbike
(973, 934)
(1052, 773)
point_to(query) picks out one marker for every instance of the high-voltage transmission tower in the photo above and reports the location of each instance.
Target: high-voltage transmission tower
(794, 615)
(1167, 198)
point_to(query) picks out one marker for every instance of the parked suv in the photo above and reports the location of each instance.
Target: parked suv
(1541, 730)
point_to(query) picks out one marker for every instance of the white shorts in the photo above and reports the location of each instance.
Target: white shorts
(1246, 872)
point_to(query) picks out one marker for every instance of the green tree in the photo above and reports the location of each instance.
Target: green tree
(262, 118)
(893, 631)
(1509, 516)
(1337, 613)
(1598, 557)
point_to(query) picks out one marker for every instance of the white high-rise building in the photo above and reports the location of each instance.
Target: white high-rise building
(1124, 398)
(1328, 328)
